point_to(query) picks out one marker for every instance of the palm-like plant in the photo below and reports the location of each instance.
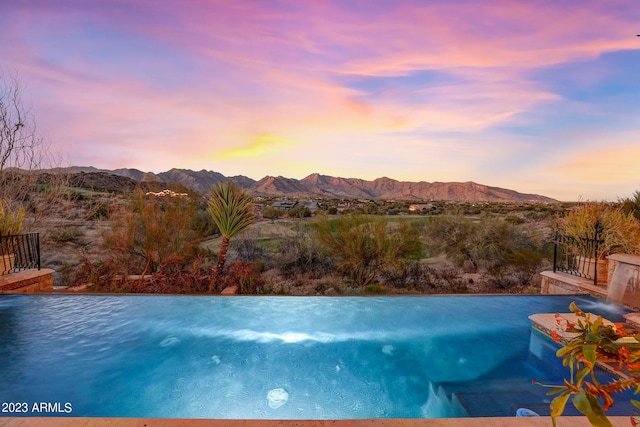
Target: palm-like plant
(231, 208)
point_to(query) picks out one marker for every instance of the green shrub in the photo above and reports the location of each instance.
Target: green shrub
(150, 231)
(364, 246)
(375, 288)
(272, 213)
(65, 235)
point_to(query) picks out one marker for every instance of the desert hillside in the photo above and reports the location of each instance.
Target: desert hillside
(315, 185)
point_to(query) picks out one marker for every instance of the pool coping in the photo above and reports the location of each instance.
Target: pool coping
(392, 422)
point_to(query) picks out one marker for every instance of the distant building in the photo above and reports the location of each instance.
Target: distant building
(422, 208)
(284, 204)
(311, 205)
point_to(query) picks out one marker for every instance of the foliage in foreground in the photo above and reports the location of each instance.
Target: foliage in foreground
(595, 340)
(618, 231)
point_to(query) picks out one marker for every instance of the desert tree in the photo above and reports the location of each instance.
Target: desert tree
(23, 156)
(231, 208)
(151, 231)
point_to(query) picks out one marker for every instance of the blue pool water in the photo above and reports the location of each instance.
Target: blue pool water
(277, 357)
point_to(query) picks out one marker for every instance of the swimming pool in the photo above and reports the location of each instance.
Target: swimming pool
(277, 357)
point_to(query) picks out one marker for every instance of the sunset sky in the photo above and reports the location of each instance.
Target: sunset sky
(535, 96)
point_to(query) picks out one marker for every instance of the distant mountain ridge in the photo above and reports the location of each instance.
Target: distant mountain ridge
(317, 185)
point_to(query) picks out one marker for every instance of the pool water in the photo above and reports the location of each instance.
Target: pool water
(278, 357)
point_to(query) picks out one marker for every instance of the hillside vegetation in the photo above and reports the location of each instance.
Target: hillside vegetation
(127, 241)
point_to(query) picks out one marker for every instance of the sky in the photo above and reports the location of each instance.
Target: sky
(536, 96)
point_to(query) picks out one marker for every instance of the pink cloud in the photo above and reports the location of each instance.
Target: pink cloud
(177, 82)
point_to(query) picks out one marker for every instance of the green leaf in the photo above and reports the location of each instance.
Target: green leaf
(574, 307)
(564, 350)
(556, 390)
(590, 407)
(589, 352)
(582, 375)
(557, 406)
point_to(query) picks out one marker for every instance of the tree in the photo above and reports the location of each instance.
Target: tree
(23, 155)
(151, 231)
(231, 208)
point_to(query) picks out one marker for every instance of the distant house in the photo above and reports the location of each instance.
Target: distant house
(349, 205)
(422, 208)
(311, 205)
(284, 204)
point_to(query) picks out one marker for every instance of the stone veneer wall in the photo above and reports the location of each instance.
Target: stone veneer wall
(27, 282)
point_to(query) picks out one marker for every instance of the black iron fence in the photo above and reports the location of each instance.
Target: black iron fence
(19, 252)
(578, 256)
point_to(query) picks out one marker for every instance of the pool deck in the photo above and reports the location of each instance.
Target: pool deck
(432, 422)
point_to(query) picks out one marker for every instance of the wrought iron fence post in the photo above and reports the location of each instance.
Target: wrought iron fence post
(19, 252)
(555, 252)
(596, 226)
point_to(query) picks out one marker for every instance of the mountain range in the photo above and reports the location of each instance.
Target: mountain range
(316, 185)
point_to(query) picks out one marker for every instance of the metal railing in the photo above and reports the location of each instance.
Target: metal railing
(19, 252)
(577, 256)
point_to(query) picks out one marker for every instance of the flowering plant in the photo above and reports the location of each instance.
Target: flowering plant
(595, 340)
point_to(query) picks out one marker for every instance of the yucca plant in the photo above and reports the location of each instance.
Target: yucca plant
(231, 208)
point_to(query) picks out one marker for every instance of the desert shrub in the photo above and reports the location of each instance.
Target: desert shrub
(364, 246)
(375, 288)
(245, 275)
(514, 219)
(65, 235)
(451, 282)
(176, 275)
(507, 254)
(99, 211)
(631, 205)
(299, 254)
(150, 230)
(202, 224)
(617, 230)
(179, 274)
(408, 274)
(455, 236)
(299, 211)
(247, 247)
(269, 212)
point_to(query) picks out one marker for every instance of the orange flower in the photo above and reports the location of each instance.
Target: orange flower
(554, 335)
(621, 330)
(624, 353)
